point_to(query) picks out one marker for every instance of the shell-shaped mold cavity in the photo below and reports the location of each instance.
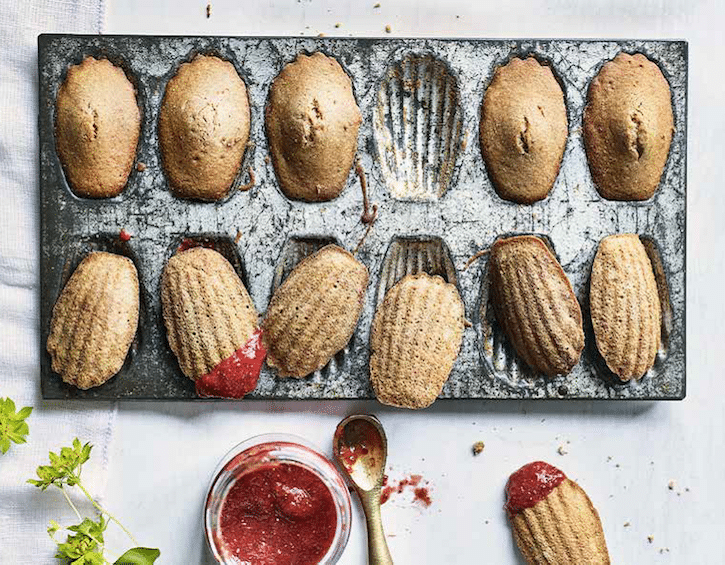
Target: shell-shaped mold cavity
(418, 124)
(313, 313)
(95, 320)
(410, 256)
(624, 299)
(207, 311)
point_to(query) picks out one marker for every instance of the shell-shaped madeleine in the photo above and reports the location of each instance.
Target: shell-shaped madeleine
(95, 320)
(418, 124)
(415, 339)
(561, 528)
(628, 127)
(204, 128)
(313, 313)
(523, 130)
(535, 304)
(207, 311)
(312, 122)
(625, 306)
(97, 127)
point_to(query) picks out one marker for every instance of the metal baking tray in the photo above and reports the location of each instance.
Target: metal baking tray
(420, 100)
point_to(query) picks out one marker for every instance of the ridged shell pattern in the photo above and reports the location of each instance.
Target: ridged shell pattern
(415, 339)
(625, 306)
(562, 529)
(407, 256)
(95, 320)
(418, 124)
(207, 311)
(313, 314)
(535, 304)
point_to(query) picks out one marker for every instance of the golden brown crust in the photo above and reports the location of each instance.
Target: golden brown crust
(94, 320)
(415, 339)
(535, 304)
(97, 127)
(562, 529)
(628, 127)
(625, 306)
(207, 311)
(204, 128)
(523, 130)
(312, 123)
(314, 312)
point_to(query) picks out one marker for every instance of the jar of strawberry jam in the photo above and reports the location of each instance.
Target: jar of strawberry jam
(276, 500)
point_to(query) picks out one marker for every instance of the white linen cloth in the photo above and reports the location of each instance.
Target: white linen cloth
(25, 510)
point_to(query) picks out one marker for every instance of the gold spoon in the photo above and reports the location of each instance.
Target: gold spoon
(361, 448)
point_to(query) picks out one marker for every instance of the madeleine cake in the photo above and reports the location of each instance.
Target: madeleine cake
(415, 339)
(628, 127)
(625, 306)
(97, 126)
(314, 312)
(95, 320)
(312, 122)
(552, 519)
(208, 313)
(204, 128)
(535, 304)
(523, 130)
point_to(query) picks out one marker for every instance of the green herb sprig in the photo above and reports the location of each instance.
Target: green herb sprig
(13, 426)
(84, 543)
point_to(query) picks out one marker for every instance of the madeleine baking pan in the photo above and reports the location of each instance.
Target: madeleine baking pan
(420, 100)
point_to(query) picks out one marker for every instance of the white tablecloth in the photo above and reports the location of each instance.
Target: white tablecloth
(24, 510)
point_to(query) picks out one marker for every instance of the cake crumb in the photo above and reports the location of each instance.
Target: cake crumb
(208, 10)
(140, 167)
(388, 29)
(627, 524)
(561, 450)
(320, 34)
(478, 448)
(650, 539)
(671, 484)
(338, 24)
(238, 237)
(377, 5)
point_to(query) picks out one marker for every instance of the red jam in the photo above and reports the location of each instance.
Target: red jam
(123, 235)
(421, 492)
(188, 243)
(238, 374)
(530, 484)
(278, 514)
(361, 440)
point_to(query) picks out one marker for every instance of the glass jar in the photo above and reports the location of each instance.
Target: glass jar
(258, 452)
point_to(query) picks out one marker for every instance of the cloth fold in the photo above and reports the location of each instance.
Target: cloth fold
(24, 510)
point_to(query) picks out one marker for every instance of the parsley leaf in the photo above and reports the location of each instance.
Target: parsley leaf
(13, 426)
(65, 468)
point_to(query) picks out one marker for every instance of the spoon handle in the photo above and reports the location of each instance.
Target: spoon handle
(378, 552)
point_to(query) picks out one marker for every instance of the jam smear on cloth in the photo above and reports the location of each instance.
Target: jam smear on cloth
(278, 514)
(237, 375)
(530, 484)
